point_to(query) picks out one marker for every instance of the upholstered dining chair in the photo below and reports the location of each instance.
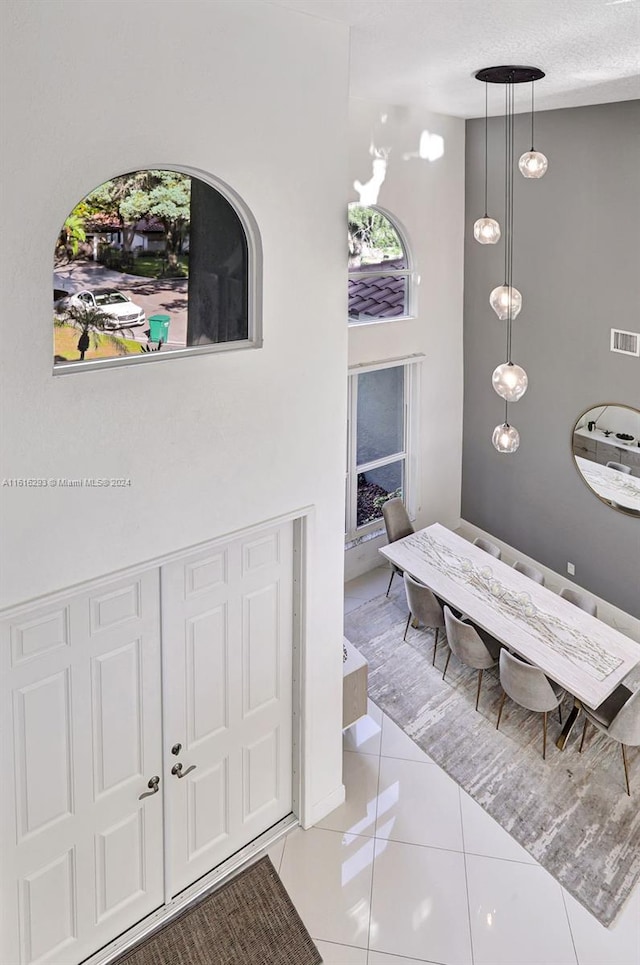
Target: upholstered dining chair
(469, 647)
(619, 467)
(488, 547)
(580, 600)
(397, 525)
(528, 686)
(619, 718)
(529, 571)
(424, 608)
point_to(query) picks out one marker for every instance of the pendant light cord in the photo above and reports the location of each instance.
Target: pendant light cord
(532, 113)
(486, 142)
(506, 184)
(511, 205)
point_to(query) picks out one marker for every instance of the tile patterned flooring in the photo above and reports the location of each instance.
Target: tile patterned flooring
(411, 870)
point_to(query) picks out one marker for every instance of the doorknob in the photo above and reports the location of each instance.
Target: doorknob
(177, 770)
(154, 785)
(176, 749)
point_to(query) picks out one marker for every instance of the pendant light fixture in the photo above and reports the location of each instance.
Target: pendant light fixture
(509, 380)
(533, 164)
(486, 230)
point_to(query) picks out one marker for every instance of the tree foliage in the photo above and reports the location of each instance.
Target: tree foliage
(71, 235)
(163, 195)
(91, 322)
(372, 238)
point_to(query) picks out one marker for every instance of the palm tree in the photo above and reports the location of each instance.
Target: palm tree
(91, 322)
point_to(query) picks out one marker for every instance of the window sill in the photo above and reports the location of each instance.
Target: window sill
(353, 322)
(365, 538)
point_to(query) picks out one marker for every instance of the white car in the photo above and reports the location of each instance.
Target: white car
(124, 313)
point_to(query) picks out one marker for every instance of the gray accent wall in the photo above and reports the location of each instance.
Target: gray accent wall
(577, 265)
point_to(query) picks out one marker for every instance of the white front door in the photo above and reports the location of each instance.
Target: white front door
(80, 739)
(227, 695)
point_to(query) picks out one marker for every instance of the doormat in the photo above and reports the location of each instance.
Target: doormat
(570, 812)
(250, 920)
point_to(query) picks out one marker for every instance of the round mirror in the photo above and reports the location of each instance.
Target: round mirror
(606, 449)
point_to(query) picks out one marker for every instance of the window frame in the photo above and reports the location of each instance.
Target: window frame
(408, 453)
(412, 278)
(254, 286)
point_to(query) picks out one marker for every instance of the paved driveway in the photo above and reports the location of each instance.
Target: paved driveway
(163, 296)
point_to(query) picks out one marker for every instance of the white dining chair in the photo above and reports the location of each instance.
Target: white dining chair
(580, 600)
(619, 467)
(531, 688)
(488, 547)
(398, 525)
(424, 608)
(529, 571)
(619, 718)
(469, 647)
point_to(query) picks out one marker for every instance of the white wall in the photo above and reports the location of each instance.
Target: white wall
(256, 95)
(427, 197)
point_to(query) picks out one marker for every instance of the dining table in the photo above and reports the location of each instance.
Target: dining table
(620, 488)
(584, 655)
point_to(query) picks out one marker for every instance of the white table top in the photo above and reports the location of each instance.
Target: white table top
(578, 651)
(612, 485)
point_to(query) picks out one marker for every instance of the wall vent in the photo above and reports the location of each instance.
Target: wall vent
(627, 343)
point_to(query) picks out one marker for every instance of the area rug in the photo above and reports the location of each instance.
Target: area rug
(248, 921)
(570, 812)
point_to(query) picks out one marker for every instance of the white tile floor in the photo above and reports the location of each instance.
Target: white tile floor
(411, 869)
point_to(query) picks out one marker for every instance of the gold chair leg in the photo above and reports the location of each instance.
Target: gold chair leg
(446, 664)
(435, 644)
(504, 697)
(584, 731)
(626, 769)
(560, 713)
(407, 626)
(393, 573)
(544, 736)
(479, 686)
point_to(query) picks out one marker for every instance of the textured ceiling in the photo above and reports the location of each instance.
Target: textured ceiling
(427, 51)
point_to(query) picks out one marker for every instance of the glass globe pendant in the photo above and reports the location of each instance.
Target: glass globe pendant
(504, 297)
(510, 381)
(533, 164)
(505, 438)
(486, 231)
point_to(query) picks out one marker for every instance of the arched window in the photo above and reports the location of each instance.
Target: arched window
(380, 270)
(154, 263)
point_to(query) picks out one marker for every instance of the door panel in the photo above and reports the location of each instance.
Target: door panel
(117, 737)
(81, 730)
(42, 725)
(227, 627)
(48, 912)
(207, 671)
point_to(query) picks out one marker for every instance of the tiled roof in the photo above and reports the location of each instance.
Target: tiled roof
(382, 297)
(100, 221)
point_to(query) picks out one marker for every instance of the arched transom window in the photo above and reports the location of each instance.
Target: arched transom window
(380, 269)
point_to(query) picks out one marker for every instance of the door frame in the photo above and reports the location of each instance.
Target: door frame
(303, 527)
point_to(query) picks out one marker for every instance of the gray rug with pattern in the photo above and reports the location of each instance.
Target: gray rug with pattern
(570, 812)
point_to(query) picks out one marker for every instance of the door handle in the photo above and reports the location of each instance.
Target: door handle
(177, 770)
(154, 783)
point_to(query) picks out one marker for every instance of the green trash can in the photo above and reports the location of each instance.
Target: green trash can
(159, 328)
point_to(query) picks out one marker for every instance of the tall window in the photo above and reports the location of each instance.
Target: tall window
(380, 271)
(380, 461)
